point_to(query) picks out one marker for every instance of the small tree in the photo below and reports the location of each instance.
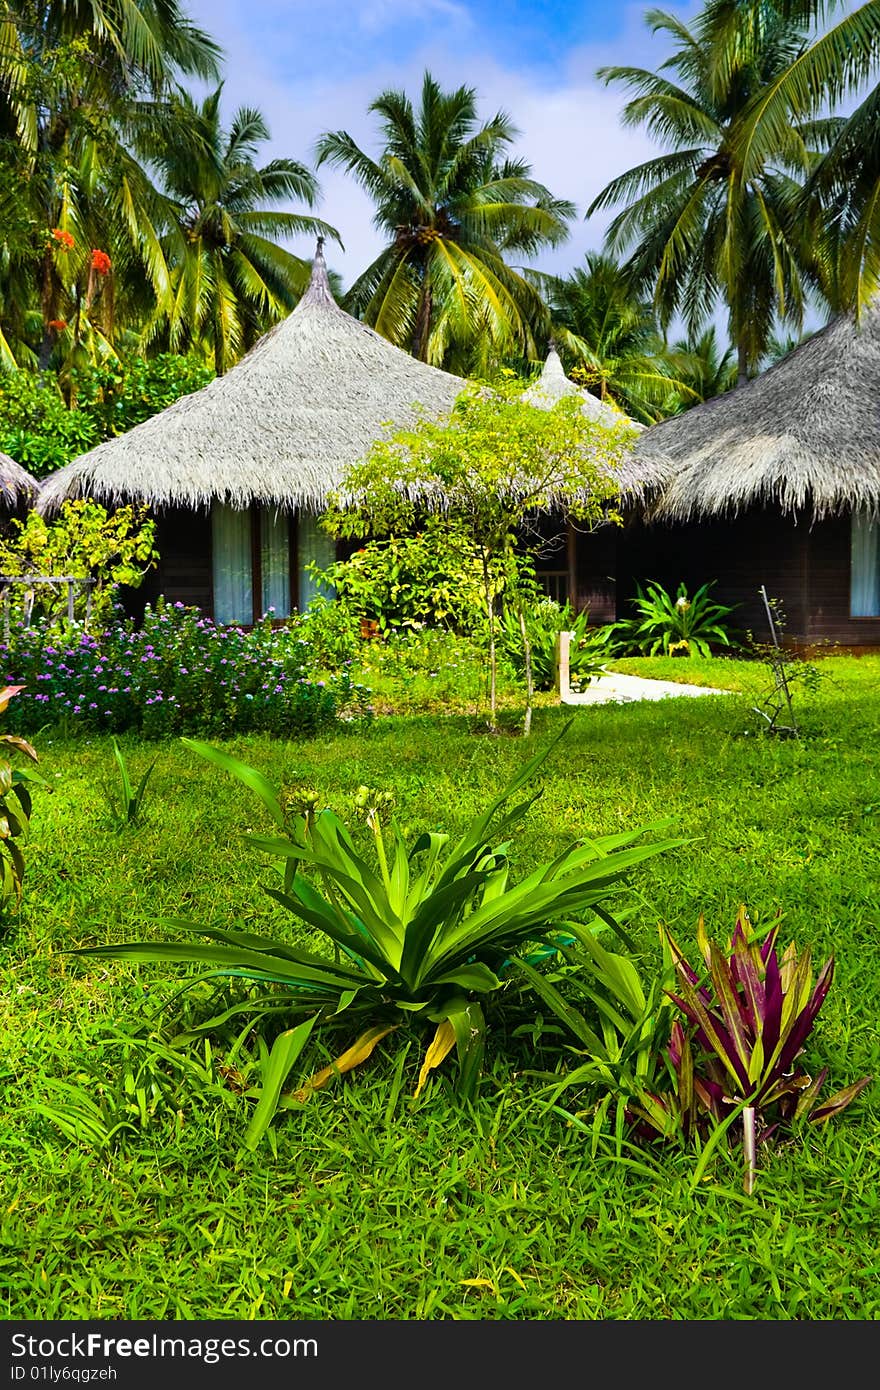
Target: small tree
(489, 466)
(84, 540)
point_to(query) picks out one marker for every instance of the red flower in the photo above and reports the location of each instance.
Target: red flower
(63, 238)
(101, 262)
(58, 324)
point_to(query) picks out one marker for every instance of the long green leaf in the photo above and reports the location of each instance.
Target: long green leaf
(285, 1052)
(249, 776)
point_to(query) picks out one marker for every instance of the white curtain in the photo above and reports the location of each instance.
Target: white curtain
(865, 567)
(312, 545)
(233, 595)
(275, 562)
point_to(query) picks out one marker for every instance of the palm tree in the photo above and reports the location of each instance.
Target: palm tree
(703, 367)
(714, 217)
(454, 204)
(78, 80)
(610, 339)
(230, 280)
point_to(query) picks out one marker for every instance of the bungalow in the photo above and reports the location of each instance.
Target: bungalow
(237, 473)
(775, 483)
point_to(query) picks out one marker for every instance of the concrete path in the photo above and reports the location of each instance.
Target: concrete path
(615, 688)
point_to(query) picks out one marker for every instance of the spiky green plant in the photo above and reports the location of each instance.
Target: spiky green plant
(419, 936)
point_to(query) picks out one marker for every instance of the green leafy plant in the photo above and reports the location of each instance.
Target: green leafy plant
(126, 802)
(750, 1013)
(83, 540)
(680, 626)
(431, 576)
(619, 1028)
(733, 1056)
(545, 619)
(420, 936)
(14, 816)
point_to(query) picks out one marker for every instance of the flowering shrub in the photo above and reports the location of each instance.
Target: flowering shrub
(176, 674)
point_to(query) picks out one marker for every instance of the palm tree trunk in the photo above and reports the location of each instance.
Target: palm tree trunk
(423, 324)
(742, 364)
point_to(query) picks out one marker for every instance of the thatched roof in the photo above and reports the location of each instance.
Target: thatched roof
(15, 482)
(804, 434)
(638, 477)
(281, 427)
(553, 385)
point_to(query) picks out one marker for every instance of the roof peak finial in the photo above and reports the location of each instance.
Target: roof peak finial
(319, 291)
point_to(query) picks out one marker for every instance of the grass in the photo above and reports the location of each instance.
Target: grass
(368, 1204)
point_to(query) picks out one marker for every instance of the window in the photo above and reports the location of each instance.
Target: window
(865, 567)
(251, 561)
(274, 563)
(233, 583)
(312, 544)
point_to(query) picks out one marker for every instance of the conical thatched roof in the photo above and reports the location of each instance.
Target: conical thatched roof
(552, 385)
(15, 482)
(281, 427)
(638, 477)
(804, 434)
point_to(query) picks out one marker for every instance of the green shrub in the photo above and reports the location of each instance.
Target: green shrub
(42, 432)
(679, 626)
(86, 540)
(431, 577)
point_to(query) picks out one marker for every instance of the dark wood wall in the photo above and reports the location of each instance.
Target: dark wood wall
(804, 566)
(183, 575)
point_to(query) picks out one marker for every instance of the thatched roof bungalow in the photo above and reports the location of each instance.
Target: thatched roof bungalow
(778, 483)
(237, 472)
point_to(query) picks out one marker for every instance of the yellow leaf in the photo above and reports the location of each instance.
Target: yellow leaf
(479, 1284)
(442, 1045)
(357, 1053)
(513, 1274)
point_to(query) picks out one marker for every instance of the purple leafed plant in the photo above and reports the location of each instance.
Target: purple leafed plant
(750, 1014)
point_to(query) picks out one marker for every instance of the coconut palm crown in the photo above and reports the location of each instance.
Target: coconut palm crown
(709, 218)
(453, 203)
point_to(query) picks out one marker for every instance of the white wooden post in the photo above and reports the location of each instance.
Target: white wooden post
(563, 665)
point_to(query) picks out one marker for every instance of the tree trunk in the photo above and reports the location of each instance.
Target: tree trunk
(742, 365)
(490, 611)
(527, 657)
(423, 324)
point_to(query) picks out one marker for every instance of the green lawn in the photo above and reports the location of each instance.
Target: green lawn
(371, 1205)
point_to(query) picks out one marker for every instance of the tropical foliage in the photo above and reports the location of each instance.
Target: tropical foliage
(15, 809)
(134, 217)
(610, 338)
(84, 541)
(686, 625)
(43, 427)
(420, 936)
(708, 219)
(454, 203)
